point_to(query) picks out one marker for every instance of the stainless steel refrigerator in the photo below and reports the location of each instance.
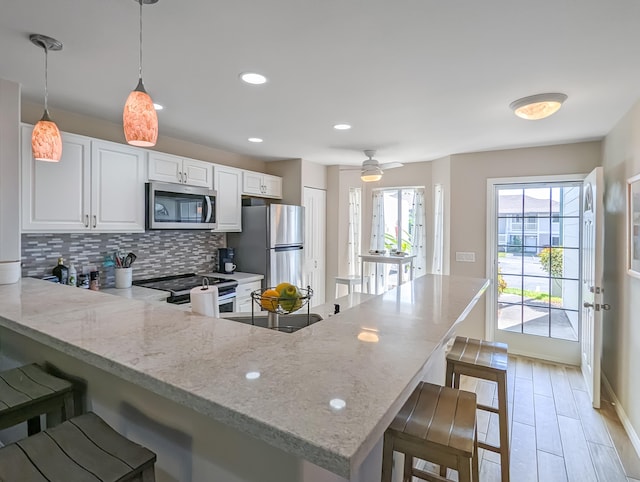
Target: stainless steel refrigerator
(271, 243)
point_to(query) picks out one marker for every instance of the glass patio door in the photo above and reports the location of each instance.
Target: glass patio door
(535, 236)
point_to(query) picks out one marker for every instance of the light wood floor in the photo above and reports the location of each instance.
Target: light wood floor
(556, 435)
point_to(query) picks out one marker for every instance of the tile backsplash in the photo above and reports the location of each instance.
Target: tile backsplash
(159, 253)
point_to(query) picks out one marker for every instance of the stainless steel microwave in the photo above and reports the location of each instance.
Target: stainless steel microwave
(174, 206)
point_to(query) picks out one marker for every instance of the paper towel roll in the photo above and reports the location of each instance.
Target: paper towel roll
(204, 301)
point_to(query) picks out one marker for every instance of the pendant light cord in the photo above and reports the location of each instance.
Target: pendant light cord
(140, 72)
(46, 80)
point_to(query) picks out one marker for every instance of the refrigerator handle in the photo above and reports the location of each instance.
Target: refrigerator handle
(288, 248)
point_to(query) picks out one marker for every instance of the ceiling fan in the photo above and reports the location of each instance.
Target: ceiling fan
(372, 169)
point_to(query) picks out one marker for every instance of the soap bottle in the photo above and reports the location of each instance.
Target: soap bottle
(61, 272)
(73, 276)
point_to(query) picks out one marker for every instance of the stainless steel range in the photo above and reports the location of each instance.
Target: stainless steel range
(180, 286)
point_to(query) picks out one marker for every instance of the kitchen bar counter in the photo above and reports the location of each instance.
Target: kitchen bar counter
(324, 394)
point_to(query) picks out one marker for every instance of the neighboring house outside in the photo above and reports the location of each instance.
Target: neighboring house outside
(529, 227)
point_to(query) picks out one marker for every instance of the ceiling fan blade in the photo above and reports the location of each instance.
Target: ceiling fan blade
(390, 165)
(351, 168)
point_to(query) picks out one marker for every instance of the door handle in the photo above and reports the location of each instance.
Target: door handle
(95, 221)
(597, 307)
(86, 220)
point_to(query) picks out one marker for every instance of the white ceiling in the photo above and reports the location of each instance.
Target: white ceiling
(417, 79)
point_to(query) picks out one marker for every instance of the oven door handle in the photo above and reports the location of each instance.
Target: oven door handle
(209, 209)
(227, 297)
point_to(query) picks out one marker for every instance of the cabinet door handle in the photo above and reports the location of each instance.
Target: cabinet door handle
(86, 220)
(95, 221)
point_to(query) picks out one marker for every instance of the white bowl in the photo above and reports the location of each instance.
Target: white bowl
(9, 272)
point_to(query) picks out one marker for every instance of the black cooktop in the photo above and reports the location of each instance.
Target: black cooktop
(177, 284)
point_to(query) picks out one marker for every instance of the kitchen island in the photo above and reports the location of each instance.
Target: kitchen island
(222, 400)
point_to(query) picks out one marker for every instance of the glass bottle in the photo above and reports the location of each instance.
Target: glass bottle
(61, 272)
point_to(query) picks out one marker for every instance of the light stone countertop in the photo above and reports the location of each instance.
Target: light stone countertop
(237, 276)
(139, 293)
(175, 354)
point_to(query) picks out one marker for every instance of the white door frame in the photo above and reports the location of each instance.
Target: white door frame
(562, 351)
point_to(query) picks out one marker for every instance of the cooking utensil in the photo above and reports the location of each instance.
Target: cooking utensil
(129, 259)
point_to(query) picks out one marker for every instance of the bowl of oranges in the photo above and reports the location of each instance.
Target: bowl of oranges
(282, 299)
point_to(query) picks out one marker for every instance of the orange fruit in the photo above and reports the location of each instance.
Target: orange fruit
(269, 300)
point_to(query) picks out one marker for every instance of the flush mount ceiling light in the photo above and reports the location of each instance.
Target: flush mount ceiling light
(342, 127)
(253, 78)
(46, 142)
(538, 106)
(139, 118)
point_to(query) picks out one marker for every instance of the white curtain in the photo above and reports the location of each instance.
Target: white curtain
(418, 247)
(354, 230)
(377, 237)
(377, 221)
(438, 229)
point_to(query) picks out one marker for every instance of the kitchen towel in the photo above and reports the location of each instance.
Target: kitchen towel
(204, 301)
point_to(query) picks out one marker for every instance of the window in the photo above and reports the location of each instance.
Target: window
(538, 268)
(398, 223)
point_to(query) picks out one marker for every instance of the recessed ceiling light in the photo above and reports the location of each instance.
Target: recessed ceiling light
(253, 78)
(254, 139)
(157, 106)
(337, 403)
(252, 375)
(342, 127)
(538, 106)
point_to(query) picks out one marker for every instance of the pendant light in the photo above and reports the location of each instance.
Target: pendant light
(46, 142)
(139, 119)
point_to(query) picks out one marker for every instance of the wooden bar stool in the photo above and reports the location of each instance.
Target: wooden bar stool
(83, 449)
(488, 361)
(437, 424)
(27, 392)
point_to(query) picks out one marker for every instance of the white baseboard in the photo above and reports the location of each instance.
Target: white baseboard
(626, 423)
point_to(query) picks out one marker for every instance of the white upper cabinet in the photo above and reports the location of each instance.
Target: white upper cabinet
(197, 173)
(169, 168)
(97, 186)
(117, 187)
(56, 195)
(228, 186)
(262, 185)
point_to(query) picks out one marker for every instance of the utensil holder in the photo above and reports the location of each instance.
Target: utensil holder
(124, 276)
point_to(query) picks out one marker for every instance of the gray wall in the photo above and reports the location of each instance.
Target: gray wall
(159, 253)
(621, 325)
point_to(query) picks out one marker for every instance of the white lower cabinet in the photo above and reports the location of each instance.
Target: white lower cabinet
(243, 296)
(227, 182)
(96, 186)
